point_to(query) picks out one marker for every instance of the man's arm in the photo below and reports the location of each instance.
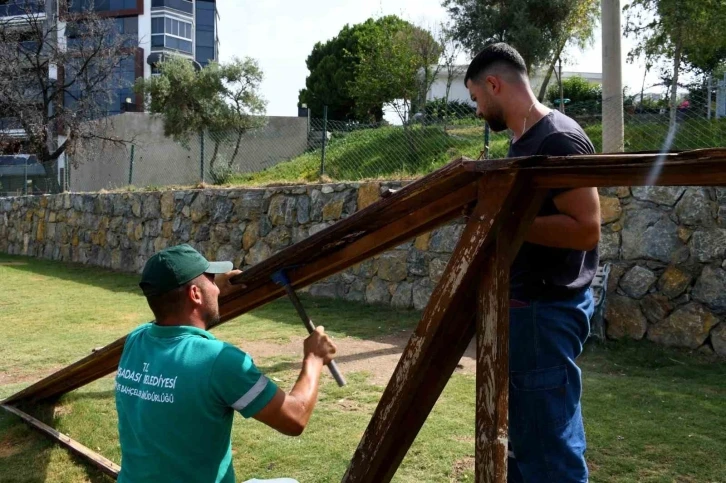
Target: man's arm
(290, 413)
(577, 227)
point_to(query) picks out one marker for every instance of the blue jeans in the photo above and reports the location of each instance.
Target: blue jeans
(546, 432)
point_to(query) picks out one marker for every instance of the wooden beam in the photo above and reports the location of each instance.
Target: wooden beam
(403, 202)
(492, 367)
(257, 291)
(492, 396)
(105, 465)
(703, 167)
(436, 213)
(436, 345)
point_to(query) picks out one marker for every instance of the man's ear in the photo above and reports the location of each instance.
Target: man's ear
(493, 84)
(194, 293)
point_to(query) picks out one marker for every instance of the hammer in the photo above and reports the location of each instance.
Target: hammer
(280, 278)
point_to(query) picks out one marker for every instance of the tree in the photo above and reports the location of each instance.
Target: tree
(539, 29)
(450, 50)
(333, 65)
(221, 99)
(51, 88)
(577, 29)
(396, 69)
(677, 31)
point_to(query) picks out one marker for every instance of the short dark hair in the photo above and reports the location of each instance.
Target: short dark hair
(494, 55)
(169, 304)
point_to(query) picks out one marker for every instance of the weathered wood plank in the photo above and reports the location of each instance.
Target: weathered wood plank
(587, 161)
(492, 367)
(105, 465)
(703, 167)
(391, 208)
(492, 403)
(258, 292)
(436, 345)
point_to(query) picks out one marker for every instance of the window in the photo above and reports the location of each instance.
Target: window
(102, 5)
(206, 41)
(185, 6)
(171, 33)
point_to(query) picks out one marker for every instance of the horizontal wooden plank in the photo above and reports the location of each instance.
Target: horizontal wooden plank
(104, 464)
(703, 167)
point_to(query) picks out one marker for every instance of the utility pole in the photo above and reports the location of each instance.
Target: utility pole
(612, 86)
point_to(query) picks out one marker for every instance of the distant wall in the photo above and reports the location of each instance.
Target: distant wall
(159, 161)
(667, 246)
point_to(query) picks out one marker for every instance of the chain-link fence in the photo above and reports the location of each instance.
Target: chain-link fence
(23, 174)
(651, 125)
(302, 150)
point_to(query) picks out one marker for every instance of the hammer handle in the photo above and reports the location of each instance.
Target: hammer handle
(332, 366)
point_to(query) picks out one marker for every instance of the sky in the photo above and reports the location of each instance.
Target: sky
(280, 34)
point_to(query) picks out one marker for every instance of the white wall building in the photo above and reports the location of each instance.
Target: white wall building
(459, 92)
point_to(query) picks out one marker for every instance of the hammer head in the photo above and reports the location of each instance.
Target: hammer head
(280, 278)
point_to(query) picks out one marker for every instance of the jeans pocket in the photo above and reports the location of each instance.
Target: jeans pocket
(539, 398)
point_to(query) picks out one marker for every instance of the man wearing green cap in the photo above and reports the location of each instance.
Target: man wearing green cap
(177, 387)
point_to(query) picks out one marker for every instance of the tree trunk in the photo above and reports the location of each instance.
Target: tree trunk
(548, 76)
(214, 156)
(449, 81)
(546, 81)
(236, 148)
(674, 86)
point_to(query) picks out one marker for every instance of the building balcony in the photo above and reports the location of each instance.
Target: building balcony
(181, 5)
(18, 8)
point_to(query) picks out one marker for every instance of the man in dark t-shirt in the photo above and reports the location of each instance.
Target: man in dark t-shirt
(550, 299)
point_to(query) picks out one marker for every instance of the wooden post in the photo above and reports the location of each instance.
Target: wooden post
(492, 367)
(445, 330)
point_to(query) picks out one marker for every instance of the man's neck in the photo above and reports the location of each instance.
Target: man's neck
(524, 114)
(185, 322)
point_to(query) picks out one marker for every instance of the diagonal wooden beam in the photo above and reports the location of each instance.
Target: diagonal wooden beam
(438, 342)
(422, 214)
(104, 464)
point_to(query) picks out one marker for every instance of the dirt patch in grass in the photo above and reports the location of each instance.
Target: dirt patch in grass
(17, 378)
(378, 356)
(14, 442)
(461, 466)
(464, 439)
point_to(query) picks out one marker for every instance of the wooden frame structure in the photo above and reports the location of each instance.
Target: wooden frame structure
(499, 198)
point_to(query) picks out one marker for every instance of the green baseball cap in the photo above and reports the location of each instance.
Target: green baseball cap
(175, 266)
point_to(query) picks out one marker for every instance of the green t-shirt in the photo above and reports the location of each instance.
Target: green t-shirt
(176, 392)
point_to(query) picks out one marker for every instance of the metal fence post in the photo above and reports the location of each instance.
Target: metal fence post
(201, 157)
(325, 138)
(708, 102)
(131, 165)
(486, 140)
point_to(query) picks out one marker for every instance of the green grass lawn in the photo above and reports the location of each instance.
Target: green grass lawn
(385, 152)
(652, 415)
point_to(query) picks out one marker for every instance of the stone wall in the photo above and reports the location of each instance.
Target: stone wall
(666, 246)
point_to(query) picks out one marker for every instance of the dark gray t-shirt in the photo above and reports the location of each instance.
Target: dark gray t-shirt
(540, 271)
